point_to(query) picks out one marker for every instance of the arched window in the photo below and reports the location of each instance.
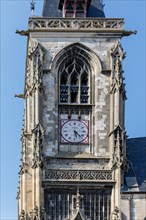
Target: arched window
(74, 77)
(74, 9)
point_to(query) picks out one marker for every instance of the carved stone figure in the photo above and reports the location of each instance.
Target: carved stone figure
(22, 215)
(116, 214)
(38, 146)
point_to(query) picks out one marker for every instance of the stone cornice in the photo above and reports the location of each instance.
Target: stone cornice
(99, 25)
(98, 184)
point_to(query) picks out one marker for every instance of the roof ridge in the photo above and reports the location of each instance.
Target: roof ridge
(136, 138)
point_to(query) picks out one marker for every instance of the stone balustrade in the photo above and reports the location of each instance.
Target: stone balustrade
(75, 24)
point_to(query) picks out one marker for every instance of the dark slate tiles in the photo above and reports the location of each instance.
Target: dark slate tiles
(50, 9)
(136, 154)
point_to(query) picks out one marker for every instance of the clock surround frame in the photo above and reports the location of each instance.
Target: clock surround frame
(85, 141)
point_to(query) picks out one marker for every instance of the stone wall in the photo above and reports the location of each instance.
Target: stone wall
(133, 206)
(101, 92)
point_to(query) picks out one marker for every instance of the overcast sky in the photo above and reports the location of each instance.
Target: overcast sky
(14, 15)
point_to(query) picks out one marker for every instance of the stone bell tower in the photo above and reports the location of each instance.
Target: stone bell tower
(73, 141)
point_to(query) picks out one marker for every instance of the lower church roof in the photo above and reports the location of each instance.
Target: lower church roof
(136, 155)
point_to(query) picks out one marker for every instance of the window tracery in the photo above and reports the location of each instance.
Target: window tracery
(75, 81)
(63, 203)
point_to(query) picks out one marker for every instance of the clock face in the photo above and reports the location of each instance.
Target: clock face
(74, 131)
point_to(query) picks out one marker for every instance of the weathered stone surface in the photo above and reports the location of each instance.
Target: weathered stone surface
(97, 160)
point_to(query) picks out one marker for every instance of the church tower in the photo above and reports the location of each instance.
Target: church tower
(73, 141)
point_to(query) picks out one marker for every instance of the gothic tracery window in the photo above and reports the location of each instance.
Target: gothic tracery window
(64, 87)
(74, 81)
(62, 203)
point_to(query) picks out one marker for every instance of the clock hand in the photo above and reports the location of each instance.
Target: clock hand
(76, 133)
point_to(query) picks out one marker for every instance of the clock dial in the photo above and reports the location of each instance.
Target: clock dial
(74, 131)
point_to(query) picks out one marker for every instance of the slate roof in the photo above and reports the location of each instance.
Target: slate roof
(50, 9)
(136, 155)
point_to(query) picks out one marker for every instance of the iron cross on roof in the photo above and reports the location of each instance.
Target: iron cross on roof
(32, 6)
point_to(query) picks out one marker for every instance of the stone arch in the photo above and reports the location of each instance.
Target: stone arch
(79, 217)
(87, 54)
(85, 59)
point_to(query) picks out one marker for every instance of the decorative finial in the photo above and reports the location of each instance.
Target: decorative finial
(32, 6)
